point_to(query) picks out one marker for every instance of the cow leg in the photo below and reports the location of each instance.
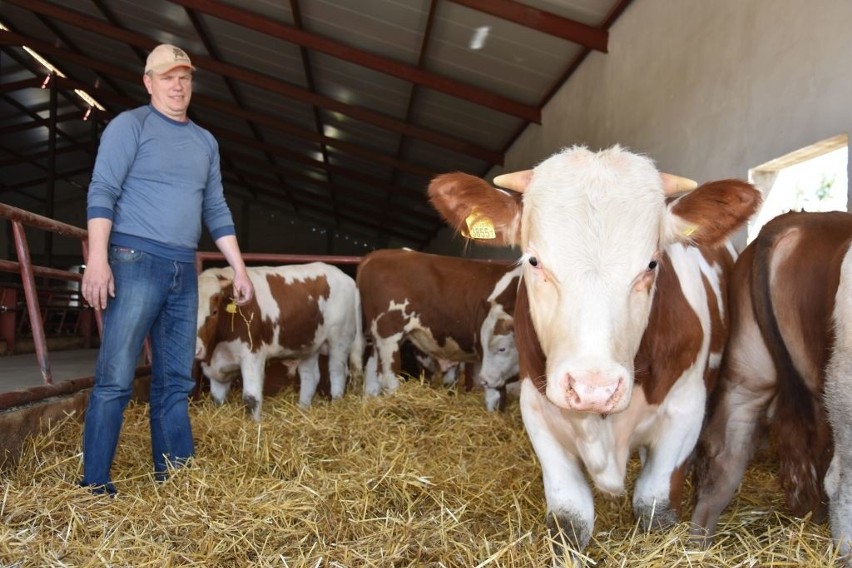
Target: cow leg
(219, 390)
(658, 489)
(838, 487)
(372, 384)
(570, 503)
(338, 356)
(221, 371)
(388, 362)
(309, 378)
(725, 448)
(838, 402)
(495, 399)
(253, 368)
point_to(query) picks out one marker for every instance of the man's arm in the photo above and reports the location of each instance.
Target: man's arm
(97, 278)
(243, 289)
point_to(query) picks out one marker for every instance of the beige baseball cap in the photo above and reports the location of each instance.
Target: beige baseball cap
(166, 57)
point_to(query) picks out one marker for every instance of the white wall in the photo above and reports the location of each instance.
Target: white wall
(707, 88)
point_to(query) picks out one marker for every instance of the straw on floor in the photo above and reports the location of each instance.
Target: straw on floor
(425, 477)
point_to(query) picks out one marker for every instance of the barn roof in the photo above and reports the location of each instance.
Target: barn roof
(337, 112)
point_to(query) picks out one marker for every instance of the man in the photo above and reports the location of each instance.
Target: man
(156, 179)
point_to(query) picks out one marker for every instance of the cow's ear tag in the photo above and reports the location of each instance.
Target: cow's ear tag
(480, 227)
(232, 307)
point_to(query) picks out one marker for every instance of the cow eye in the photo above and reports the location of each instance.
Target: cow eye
(652, 265)
(533, 261)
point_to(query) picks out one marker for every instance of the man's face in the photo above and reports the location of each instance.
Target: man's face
(170, 91)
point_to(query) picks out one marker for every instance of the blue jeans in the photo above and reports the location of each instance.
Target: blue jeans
(153, 296)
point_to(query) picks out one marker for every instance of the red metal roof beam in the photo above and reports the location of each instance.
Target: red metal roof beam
(545, 22)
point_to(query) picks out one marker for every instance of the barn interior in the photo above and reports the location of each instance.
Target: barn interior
(333, 115)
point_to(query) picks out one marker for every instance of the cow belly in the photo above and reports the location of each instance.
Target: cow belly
(449, 350)
(228, 357)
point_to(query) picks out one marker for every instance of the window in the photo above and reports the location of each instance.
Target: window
(809, 179)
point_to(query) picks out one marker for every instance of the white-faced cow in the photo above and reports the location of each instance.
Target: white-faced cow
(619, 322)
(790, 346)
(451, 309)
(298, 312)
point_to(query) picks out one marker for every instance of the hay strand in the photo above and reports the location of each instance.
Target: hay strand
(425, 477)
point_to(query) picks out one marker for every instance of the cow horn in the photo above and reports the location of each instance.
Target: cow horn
(516, 181)
(673, 184)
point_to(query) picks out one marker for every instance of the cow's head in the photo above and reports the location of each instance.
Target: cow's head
(215, 288)
(496, 336)
(499, 352)
(592, 228)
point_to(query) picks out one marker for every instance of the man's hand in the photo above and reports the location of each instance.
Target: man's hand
(98, 284)
(243, 289)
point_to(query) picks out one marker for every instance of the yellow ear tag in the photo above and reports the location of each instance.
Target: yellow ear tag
(688, 232)
(232, 307)
(480, 227)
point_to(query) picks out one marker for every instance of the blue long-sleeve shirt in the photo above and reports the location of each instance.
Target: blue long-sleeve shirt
(157, 179)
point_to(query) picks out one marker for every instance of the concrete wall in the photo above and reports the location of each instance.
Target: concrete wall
(708, 89)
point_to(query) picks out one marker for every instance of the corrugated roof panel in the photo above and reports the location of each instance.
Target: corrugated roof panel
(256, 51)
(377, 26)
(357, 85)
(463, 119)
(500, 56)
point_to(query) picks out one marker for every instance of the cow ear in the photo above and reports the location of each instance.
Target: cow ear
(709, 214)
(477, 210)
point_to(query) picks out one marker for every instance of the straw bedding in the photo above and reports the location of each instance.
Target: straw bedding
(425, 477)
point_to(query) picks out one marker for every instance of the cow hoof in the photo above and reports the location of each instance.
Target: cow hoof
(252, 406)
(391, 387)
(655, 517)
(494, 401)
(568, 535)
(700, 538)
(372, 390)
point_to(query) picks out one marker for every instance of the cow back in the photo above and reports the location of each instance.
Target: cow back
(445, 294)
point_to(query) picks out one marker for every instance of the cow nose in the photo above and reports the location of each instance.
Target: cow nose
(593, 392)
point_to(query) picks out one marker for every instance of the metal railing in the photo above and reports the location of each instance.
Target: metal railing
(28, 272)
(24, 266)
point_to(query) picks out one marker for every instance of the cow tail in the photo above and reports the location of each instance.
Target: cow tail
(799, 430)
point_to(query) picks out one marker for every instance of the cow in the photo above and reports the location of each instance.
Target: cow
(451, 309)
(298, 312)
(789, 357)
(620, 318)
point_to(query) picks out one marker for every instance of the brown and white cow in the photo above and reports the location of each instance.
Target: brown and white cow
(451, 309)
(620, 320)
(790, 346)
(298, 312)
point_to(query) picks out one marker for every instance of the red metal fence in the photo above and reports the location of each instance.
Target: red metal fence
(43, 307)
(37, 313)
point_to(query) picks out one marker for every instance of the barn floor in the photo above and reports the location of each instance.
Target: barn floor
(422, 478)
(23, 372)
